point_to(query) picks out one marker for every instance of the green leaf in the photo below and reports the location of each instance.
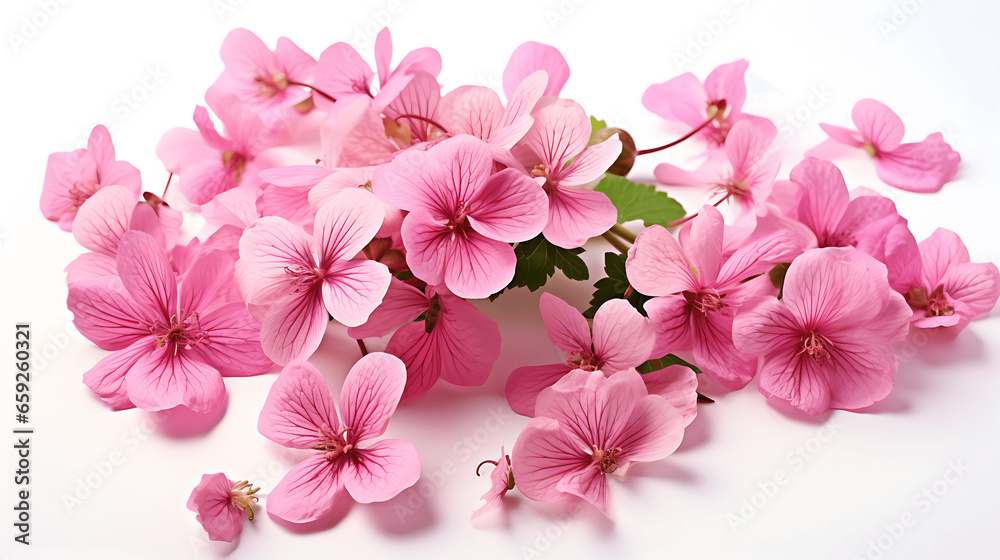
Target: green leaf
(614, 286)
(537, 261)
(639, 202)
(596, 125)
(668, 360)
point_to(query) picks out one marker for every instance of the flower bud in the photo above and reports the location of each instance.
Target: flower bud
(624, 163)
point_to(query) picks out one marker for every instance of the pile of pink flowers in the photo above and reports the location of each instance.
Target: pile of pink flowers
(332, 191)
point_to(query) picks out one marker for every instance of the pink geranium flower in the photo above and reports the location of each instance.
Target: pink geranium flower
(918, 167)
(209, 163)
(173, 340)
(292, 280)
(556, 149)
(817, 196)
(699, 286)
(589, 426)
(73, 177)
(462, 216)
(478, 111)
(454, 341)
(746, 174)
(948, 290)
(622, 338)
(827, 343)
(501, 480)
(530, 57)
(221, 504)
(300, 413)
(259, 77)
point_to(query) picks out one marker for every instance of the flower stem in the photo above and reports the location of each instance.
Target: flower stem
(625, 234)
(713, 111)
(315, 89)
(431, 122)
(615, 242)
(364, 349)
(164, 195)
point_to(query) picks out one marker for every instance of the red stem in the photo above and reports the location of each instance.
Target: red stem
(315, 89)
(431, 122)
(719, 107)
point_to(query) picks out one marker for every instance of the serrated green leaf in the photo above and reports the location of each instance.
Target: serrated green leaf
(668, 360)
(614, 286)
(537, 261)
(639, 202)
(596, 125)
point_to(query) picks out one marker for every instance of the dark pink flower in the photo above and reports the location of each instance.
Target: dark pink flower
(221, 504)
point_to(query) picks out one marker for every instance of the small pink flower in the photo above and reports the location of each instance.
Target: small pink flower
(501, 480)
(300, 413)
(462, 215)
(260, 78)
(292, 280)
(921, 167)
(589, 426)
(221, 504)
(827, 343)
(556, 149)
(699, 286)
(530, 57)
(454, 341)
(478, 111)
(949, 290)
(73, 177)
(173, 336)
(622, 339)
(208, 163)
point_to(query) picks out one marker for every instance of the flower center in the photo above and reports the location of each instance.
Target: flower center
(304, 277)
(584, 360)
(704, 302)
(242, 496)
(815, 346)
(607, 461)
(234, 162)
(935, 304)
(269, 86)
(870, 148)
(184, 333)
(79, 193)
(458, 220)
(332, 444)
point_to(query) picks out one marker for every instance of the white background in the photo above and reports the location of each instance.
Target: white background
(936, 63)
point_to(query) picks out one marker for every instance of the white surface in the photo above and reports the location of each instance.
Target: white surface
(938, 70)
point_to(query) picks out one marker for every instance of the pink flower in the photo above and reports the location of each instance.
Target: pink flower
(747, 173)
(528, 58)
(478, 111)
(291, 280)
(556, 149)
(918, 167)
(622, 339)
(258, 77)
(588, 426)
(454, 341)
(300, 413)
(209, 163)
(221, 504)
(501, 480)
(685, 100)
(461, 215)
(949, 290)
(817, 196)
(173, 341)
(73, 177)
(699, 286)
(827, 343)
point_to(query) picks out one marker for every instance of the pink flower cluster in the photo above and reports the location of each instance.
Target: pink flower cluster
(386, 208)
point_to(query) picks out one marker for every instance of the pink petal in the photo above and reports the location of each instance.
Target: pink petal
(89, 266)
(822, 287)
(623, 338)
(477, 266)
(702, 239)
(499, 480)
(382, 471)
(976, 285)
(309, 491)
(566, 327)
(795, 377)
(678, 385)
(298, 405)
(657, 265)
(510, 207)
(757, 257)
(402, 303)
(208, 277)
(107, 378)
(859, 370)
(543, 455)
(653, 431)
(383, 54)
(105, 314)
(370, 394)
(232, 342)
(103, 219)
(576, 215)
(709, 172)
(211, 500)
(294, 327)
(561, 131)
(345, 224)
(921, 167)
(594, 407)
(267, 248)
(714, 351)
(529, 57)
(822, 197)
(680, 99)
(670, 317)
(878, 124)
(353, 289)
(147, 275)
(420, 97)
(940, 252)
(592, 163)
(842, 135)
(341, 72)
(588, 483)
(726, 82)
(526, 382)
(168, 377)
(354, 135)
(474, 110)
